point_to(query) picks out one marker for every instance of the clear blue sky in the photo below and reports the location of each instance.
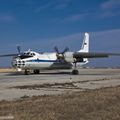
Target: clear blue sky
(42, 24)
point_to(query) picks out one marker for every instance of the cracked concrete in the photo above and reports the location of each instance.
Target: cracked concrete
(14, 85)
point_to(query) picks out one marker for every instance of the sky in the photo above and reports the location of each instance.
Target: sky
(40, 25)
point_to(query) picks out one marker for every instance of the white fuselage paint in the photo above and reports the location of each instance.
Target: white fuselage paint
(41, 61)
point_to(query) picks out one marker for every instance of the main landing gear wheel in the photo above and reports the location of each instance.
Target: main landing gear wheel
(36, 71)
(75, 71)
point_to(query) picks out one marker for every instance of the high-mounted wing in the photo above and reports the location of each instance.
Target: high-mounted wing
(13, 55)
(93, 55)
(9, 55)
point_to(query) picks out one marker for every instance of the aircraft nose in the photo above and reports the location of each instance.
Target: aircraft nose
(14, 63)
(18, 63)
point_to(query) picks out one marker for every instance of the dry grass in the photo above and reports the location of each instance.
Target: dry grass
(103, 104)
(4, 70)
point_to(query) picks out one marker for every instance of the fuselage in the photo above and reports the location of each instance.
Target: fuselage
(34, 60)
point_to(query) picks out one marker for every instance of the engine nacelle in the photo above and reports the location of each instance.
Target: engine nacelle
(69, 57)
(79, 60)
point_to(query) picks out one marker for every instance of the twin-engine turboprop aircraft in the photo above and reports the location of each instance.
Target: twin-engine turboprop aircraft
(35, 61)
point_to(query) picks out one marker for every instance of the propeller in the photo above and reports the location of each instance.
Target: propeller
(65, 50)
(60, 55)
(19, 49)
(19, 54)
(56, 49)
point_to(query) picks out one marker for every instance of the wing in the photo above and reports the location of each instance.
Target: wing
(9, 55)
(93, 55)
(13, 55)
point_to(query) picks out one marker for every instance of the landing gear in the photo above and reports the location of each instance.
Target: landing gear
(75, 71)
(27, 72)
(36, 71)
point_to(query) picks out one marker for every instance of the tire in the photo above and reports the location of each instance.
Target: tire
(36, 71)
(75, 72)
(27, 72)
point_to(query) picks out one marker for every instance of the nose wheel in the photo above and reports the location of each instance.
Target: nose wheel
(75, 71)
(27, 72)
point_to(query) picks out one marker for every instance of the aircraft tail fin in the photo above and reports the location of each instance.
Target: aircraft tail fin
(85, 44)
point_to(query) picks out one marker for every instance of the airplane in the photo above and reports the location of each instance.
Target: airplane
(31, 60)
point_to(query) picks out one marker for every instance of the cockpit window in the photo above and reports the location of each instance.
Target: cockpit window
(27, 55)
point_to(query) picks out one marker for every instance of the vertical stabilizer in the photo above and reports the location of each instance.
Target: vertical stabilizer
(85, 44)
(85, 47)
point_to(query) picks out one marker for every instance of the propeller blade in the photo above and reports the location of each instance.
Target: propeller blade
(19, 49)
(13, 55)
(65, 50)
(60, 55)
(56, 49)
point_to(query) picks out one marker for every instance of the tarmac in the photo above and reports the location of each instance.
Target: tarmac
(15, 85)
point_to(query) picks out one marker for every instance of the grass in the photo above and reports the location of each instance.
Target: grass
(102, 104)
(4, 70)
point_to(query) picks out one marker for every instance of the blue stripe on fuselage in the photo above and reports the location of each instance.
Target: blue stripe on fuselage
(37, 60)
